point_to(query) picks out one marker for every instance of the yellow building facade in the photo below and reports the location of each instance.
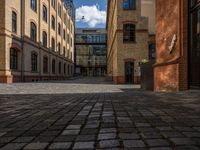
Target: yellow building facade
(127, 40)
(36, 40)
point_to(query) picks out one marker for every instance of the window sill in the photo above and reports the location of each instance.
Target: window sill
(129, 42)
(129, 9)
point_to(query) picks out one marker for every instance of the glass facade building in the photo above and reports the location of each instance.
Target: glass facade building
(90, 52)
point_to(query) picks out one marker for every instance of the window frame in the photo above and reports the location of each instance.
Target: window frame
(33, 31)
(60, 68)
(14, 59)
(45, 65)
(33, 4)
(14, 22)
(53, 66)
(44, 39)
(53, 44)
(129, 35)
(131, 4)
(53, 22)
(44, 13)
(34, 62)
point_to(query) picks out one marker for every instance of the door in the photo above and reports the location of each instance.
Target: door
(194, 47)
(129, 72)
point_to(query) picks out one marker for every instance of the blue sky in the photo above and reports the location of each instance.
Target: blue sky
(94, 12)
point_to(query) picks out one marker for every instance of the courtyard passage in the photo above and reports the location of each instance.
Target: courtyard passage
(93, 113)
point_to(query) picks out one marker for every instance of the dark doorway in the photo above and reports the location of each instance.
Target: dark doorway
(129, 72)
(194, 58)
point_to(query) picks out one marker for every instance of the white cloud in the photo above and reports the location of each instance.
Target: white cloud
(92, 15)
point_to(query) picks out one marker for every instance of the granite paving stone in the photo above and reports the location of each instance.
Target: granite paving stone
(60, 146)
(83, 145)
(36, 146)
(93, 113)
(133, 143)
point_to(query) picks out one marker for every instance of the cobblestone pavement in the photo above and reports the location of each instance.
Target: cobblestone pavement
(130, 119)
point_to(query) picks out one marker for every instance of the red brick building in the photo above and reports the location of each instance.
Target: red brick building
(178, 45)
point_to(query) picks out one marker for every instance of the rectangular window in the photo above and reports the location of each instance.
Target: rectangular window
(129, 33)
(129, 4)
(13, 58)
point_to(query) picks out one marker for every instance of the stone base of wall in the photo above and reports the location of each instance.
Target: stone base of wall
(13, 79)
(121, 79)
(6, 79)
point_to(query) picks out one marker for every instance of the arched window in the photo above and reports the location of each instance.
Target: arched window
(64, 68)
(64, 34)
(44, 38)
(44, 13)
(64, 51)
(14, 22)
(45, 64)
(59, 10)
(33, 32)
(129, 33)
(59, 28)
(53, 3)
(33, 5)
(13, 58)
(53, 44)
(53, 22)
(53, 66)
(59, 68)
(34, 61)
(59, 51)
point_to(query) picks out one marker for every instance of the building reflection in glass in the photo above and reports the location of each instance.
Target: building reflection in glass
(90, 47)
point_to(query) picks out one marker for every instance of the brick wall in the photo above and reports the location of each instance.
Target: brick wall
(170, 70)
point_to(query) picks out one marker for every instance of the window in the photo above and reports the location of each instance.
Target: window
(59, 48)
(45, 65)
(44, 38)
(64, 51)
(65, 18)
(64, 34)
(53, 44)
(53, 22)
(65, 68)
(34, 61)
(14, 22)
(59, 28)
(71, 69)
(59, 67)
(59, 10)
(13, 58)
(68, 69)
(129, 33)
(34, 5)
(71, 42)
(33, 32)
(44, 13)
(129, 4)
(53, 3)
(53, 66)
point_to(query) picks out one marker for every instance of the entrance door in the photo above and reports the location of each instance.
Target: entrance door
(129, 72)
(195, 46)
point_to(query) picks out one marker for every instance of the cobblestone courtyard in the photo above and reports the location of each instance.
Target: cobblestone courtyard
(95, 114)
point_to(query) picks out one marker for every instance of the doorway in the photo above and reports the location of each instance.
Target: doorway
(129, 72)
(194, 53)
